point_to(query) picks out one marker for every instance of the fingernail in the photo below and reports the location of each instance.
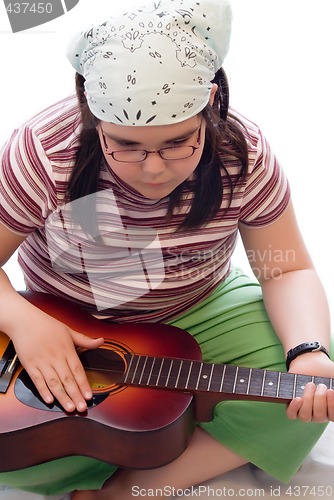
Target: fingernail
(310, 386)
(82, 406)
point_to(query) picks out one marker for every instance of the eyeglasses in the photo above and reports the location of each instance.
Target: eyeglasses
(138, 155)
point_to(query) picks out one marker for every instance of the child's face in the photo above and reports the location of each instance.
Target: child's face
(154, 177)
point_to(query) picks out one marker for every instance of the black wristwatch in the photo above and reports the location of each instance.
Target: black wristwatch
(301, 349)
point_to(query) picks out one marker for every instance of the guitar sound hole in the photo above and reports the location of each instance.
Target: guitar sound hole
(104, 368)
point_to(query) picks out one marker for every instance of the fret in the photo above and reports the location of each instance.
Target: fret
(271, 384)
(155, 372)
(128, 371)
(193, 379)
(147, 371)
(184, 375)
(174, 373)
(189, 373)
(286, 386)
(235, 379)
(249, 380)
(151, 371)
(198, 376)
(163, 373)
(216, 377)
(211, 375)
(143, 371)
(205, 377)
(178, 374)
(263, 381)
(242, 381)
(256, 383)
(294, 386)
(160, 370)
(278, 384)
(138, 370)
(169, 372)
(222, 380)
(229, 378)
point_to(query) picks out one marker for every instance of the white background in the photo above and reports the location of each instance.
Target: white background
(280, 68)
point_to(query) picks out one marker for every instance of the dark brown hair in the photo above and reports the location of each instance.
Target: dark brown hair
(224, 138)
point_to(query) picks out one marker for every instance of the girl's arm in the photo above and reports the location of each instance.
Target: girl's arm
(296, 304)
(45, 346)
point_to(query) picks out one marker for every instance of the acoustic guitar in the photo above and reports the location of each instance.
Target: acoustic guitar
(150, 387)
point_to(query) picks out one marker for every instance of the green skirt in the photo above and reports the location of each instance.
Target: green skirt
(231, 326)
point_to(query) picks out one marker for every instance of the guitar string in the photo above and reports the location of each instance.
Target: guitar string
(185, 379)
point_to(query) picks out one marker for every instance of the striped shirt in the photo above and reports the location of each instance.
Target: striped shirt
(135, 267)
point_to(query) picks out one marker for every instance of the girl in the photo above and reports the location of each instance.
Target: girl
(127, 199)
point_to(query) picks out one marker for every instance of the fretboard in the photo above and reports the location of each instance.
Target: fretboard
(196, 376)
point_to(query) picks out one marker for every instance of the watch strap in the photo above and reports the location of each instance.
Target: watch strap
(302, 349)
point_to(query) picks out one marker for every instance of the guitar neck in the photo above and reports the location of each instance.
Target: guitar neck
(227, 381)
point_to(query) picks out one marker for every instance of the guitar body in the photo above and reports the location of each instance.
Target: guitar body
(150, 387)
(133, 427)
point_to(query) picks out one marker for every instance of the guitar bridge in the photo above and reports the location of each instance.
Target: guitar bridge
(8, 365)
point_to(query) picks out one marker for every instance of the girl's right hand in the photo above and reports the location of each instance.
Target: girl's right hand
(46, 349)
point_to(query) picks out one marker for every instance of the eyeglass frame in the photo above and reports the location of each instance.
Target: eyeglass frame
(147, 152)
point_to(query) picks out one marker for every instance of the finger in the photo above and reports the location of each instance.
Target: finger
(74, 386)
(293, 408)
(50, 387)
(330, 405)
(57, 387)
(41, 386)
(64, 389)
(320, 413)
(80, 377)
(81, 340)
(305, 413)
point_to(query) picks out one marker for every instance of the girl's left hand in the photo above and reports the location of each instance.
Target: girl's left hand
(317, 403)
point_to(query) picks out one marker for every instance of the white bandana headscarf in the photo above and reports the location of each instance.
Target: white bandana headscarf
(154, 64)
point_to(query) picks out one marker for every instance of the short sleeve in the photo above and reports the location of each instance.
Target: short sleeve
(267, 191)
(27, 188)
